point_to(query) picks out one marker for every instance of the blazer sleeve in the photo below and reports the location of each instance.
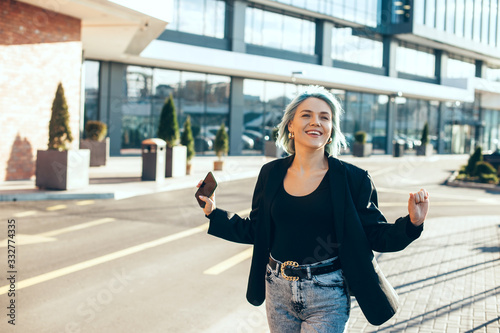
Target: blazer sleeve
(383, 236)
(231, 226)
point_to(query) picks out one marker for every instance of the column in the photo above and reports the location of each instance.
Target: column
(235, 24)
(236, 116)
(390, 46)
(323, 43)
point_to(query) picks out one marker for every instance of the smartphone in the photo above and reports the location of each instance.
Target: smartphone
(206, 188)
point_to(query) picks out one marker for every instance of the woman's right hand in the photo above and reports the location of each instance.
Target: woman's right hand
(209, 202)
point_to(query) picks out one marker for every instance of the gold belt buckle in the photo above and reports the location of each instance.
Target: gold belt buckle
(291, 264)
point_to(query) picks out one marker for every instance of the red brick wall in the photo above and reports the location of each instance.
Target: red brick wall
(38, 49)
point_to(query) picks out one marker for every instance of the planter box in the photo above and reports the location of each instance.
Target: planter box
(62, 170)
(99, 151)
(425, 150)
(270, 149)
(362, 150)
(218, 165)
(176, 161)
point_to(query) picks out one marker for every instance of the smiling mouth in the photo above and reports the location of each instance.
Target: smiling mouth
(314, 133)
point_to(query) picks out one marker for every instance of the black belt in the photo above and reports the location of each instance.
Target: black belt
(292, 271)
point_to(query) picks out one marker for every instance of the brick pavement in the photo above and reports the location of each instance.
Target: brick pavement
(448, 280)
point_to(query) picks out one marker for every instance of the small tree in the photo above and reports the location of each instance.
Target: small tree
(59, 131)
(425, 134)
(187, 139)
(477, 156)
(168, 128)
(221, 145)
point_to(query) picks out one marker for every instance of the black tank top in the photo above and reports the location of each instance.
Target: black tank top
(303, 229)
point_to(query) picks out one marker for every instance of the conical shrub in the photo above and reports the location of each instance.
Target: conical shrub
(59, 131)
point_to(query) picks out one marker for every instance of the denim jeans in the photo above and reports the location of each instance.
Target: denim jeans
(320, 304)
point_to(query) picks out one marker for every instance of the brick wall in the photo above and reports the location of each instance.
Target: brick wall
(38, 49)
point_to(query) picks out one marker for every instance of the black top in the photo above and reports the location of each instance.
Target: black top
(303, 226)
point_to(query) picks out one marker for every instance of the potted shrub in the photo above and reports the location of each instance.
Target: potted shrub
(361, 148)
(425, 148)
(59, 167)
(270, 147)
(97, 142)
(221, 147)
(168, 130)
(187, 140)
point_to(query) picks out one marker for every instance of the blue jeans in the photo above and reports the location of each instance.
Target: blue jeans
(320, 304)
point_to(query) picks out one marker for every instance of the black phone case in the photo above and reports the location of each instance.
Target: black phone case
(206, 188)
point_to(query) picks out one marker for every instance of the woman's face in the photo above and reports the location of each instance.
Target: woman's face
(312, 124)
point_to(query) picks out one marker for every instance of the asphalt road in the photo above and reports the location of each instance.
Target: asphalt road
(146, 264)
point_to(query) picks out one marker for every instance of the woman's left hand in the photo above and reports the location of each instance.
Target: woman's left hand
(418, 206)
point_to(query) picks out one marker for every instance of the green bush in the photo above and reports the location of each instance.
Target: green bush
(168, 128)
(477, 156)
(221, 144)
(425, 134)
(95, 130)
(360, 137)
(489, 178)
(483, 167)
(187, 139)
(59, 131)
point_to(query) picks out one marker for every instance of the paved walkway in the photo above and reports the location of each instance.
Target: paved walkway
(452, 282)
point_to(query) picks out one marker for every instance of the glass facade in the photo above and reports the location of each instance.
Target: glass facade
(460, 68)
(415, 60)
(203, 97)
(411, 116)
(91, 106)
(270, 29)
(472, 19)
(200, 17)
(348, 46)
(360, 11)
(461, 127)
(491, 138)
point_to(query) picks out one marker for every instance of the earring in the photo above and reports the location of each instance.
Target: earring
(291, 135)
(329, 141)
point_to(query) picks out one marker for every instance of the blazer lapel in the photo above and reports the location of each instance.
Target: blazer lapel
(338, 190)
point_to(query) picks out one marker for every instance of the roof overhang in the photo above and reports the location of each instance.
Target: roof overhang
(113, 29)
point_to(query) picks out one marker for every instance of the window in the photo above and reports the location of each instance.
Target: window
(469, 18)
(270, 29)
(493, 22)
(417, 61)
(346, 46)
(200, 17)
(492, 73)
(477, 21)
(419, 12)
(430, 13)
(91, 107)
(450, 16)
(460, 16)
(485, 29)
(460, 68)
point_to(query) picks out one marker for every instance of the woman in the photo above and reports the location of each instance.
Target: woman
(314, 223)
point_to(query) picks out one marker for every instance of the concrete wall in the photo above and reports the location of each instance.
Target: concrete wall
(38, 49)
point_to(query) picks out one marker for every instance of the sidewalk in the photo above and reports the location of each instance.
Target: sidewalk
(121, 178)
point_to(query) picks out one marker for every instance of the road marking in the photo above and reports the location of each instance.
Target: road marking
(81, 226)
(85, 202)
(228, 263)
(56, 207)
(26, 213)
(105, 258)
(44, 237)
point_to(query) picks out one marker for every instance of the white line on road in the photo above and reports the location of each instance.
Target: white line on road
(228, 263)
(76, 227)
(26, 213)
(56, 207)
(108, 257)
(85, 202)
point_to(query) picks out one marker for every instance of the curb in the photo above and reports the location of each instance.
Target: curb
(459, 183)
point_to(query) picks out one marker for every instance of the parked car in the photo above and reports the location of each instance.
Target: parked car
(257, 138)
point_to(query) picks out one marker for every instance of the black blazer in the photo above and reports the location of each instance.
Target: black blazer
(359, 225)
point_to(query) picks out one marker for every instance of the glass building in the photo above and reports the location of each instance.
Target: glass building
(394, 65)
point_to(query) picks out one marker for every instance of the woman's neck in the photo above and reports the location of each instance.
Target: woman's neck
(306, 161)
